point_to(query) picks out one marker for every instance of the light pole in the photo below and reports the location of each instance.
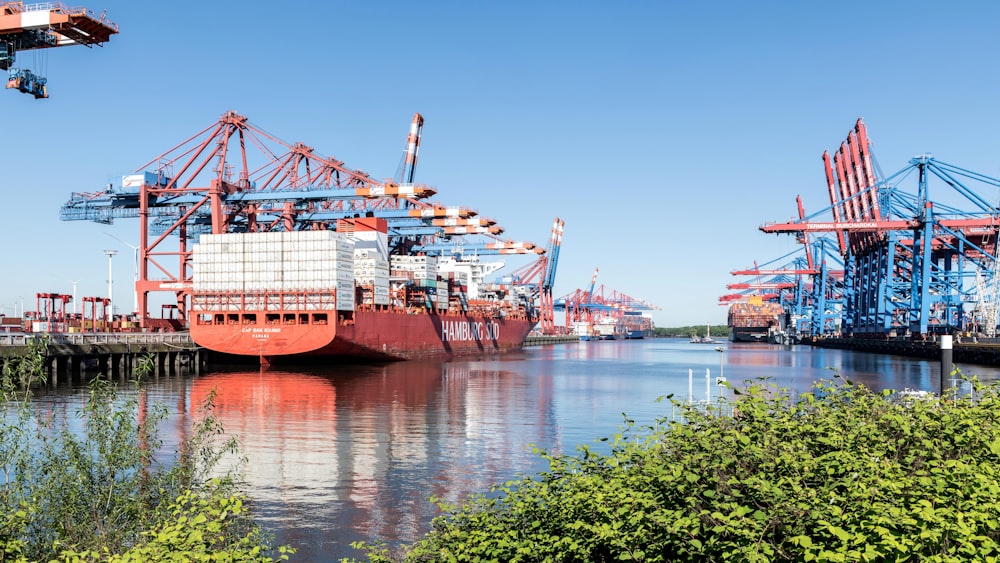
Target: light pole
(111, 300)
(721, 355)
(721, 380)
(135, 272)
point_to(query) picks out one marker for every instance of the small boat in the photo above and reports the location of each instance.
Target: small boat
(707, 339)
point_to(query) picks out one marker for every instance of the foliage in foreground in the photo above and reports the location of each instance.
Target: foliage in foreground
(837, 474)
(93, 485)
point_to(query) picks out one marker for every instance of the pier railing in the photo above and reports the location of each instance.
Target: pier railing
(85, 339)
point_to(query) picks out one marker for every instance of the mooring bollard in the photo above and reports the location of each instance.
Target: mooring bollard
(946, 366)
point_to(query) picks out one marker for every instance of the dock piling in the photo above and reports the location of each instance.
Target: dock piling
(946, 363)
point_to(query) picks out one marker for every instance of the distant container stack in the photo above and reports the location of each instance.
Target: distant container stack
(752, 321)
(637, 325)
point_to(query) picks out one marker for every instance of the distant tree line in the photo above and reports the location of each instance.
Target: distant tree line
(718, 331)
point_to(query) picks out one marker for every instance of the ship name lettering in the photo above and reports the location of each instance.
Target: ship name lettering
(255, 330)
(454, 331)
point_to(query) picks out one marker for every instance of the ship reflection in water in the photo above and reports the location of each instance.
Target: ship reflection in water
(363, 451)
(354, 452)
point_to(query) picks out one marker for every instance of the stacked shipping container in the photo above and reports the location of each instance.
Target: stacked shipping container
(279, 262)
(747, 315)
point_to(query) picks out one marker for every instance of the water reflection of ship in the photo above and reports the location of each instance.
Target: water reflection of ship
(365, 449)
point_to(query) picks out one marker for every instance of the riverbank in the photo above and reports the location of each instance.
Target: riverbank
(983, 352)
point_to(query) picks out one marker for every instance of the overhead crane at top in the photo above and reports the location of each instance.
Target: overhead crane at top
(214, 183)
(913, 265)
(26, 27)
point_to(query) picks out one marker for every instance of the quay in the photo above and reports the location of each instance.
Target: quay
(980, 351)
(115, 354)
(111, 354)
(542, 340)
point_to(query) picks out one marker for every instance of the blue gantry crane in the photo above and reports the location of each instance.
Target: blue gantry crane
(807, 282)
(913, 265)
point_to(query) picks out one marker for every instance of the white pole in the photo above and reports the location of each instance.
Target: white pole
(708, 386)
(721, 354)
(76, 306)
(690, 386)
(135, 271)
(135, 281)
(111, 307)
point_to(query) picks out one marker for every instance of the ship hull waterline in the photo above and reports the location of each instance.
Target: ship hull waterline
(373, 335)
(749, 334)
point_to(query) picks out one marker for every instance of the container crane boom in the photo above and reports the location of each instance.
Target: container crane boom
(25, 27)
(408, 166)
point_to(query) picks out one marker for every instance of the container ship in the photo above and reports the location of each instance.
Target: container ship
(753, 320)
(637, 325)
(321, 293)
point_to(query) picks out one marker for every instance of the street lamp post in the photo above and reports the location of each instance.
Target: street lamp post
(721, 380)
(135, 272)
(111, 300)
(721, 351)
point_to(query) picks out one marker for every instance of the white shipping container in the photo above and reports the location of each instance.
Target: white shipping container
(372, 241)
(370, 262)
(345, 300)
(370, 272)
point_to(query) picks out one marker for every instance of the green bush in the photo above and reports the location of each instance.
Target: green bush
(837, 474)
(95, 485)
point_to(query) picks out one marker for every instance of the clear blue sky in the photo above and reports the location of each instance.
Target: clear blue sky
(663, 133)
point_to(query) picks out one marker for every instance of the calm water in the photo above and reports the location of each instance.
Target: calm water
(349, 452)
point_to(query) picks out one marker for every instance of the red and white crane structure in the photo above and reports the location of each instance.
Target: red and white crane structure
(234, 177)
(26, 27)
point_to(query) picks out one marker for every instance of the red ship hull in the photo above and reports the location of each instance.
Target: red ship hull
(378, 335)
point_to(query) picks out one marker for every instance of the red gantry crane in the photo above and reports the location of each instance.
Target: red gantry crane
(25, 27)
(540, 276)
(599, 312)
(234, 177)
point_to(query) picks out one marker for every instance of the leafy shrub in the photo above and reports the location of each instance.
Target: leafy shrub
(95, 485)
(838, 474)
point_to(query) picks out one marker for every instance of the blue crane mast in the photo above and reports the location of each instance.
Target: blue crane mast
(911, 262)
